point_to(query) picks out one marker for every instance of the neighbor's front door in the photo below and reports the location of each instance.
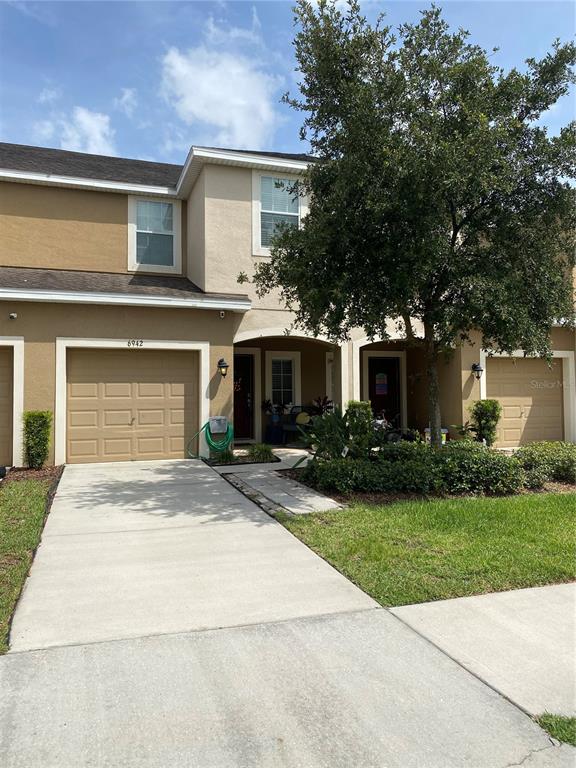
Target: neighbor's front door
(244, 397)
(384, 388)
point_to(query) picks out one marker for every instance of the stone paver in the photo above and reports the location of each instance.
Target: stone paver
(355, 690)
(159, 547)
(521, 642)
(281, 491)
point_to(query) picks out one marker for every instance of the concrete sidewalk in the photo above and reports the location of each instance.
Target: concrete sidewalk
(355, 690)
(521, 642)
(161, 547)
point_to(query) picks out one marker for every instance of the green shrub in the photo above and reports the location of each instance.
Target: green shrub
(37, 428)
(553, 460)
(224, 457)
(485, 416)
(466, 468)
(360, 423)
(328, 434)
(535, 478)
(260, 452)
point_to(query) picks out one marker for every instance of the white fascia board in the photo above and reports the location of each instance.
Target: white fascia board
(84, 297)
(100, 185)
(198, 156)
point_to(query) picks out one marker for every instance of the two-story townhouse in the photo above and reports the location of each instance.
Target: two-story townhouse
(119, 297)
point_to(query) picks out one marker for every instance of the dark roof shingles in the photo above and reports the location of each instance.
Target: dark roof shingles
(18, 157)
(60, 162)
(22, 278)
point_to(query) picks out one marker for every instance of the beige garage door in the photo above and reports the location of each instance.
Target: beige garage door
(6, 390)
(130, 404)
(531, 396)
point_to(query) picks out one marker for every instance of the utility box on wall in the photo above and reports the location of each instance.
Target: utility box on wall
(218, 424)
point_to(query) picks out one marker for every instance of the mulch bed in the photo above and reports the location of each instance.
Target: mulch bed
(25, 473)
(239, 460)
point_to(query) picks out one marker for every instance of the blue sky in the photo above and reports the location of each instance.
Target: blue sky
(148, 79)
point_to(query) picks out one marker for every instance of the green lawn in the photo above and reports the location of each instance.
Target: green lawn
(415, 551)
(22, 509)
(560, 727)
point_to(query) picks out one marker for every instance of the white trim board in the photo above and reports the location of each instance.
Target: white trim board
(401, 355)
(568, 385)
(17, 344)
(62, 346)
(273, 354)
(77, 182)
(89, 297)
(256, 353)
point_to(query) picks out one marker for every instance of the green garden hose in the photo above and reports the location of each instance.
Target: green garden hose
(216, 445)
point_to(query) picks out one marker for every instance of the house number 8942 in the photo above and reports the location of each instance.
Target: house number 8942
(135, 343)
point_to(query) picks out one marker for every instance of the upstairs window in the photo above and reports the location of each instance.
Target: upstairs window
(154, 235)
(279, 204)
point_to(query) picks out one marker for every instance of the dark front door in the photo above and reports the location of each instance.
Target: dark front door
(384, 388)
(244, 397)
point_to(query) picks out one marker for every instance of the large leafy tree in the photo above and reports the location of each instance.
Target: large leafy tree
(437, 195)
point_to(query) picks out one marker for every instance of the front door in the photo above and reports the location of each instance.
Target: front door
(244, 397)
(384, 388)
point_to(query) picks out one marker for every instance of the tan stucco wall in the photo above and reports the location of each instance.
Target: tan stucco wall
(62, 228)
(195, 243)
(40, 324)
(228, 209)
(56, 228)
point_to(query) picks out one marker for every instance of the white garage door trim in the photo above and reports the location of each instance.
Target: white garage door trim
(17, 343)
(62, 346)
(568, 386)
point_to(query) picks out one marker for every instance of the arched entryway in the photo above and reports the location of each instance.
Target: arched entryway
(278, 374)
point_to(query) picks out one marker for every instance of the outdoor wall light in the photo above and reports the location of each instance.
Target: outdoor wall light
(477, 370)
(223, 367)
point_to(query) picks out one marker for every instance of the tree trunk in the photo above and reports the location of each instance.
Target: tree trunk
(433, 387)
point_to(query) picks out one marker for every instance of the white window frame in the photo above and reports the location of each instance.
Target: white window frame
(257, 249)
(296, 373)
(133, 265)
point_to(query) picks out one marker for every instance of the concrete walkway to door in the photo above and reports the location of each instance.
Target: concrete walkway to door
(152, 548)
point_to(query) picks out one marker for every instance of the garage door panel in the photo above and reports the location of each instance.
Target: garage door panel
(120, 390)
(84, 418)
(112, 418)
(530, 393)
(141, 405)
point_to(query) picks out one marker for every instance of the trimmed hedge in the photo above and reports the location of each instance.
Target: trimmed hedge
(457, 468)
(547, 461)
(37, 427)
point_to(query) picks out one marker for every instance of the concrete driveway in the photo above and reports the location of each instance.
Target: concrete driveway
(161, 547)
(168, 621)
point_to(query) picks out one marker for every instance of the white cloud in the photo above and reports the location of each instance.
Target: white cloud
(43, 130)
(228, 96)
(49, 95)
(87, 131)
(127, 102)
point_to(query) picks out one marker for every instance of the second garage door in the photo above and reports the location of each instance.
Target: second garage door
(530, 393)
(130, 404)
(6, 387)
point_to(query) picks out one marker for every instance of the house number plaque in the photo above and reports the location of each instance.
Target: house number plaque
(135, 342)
